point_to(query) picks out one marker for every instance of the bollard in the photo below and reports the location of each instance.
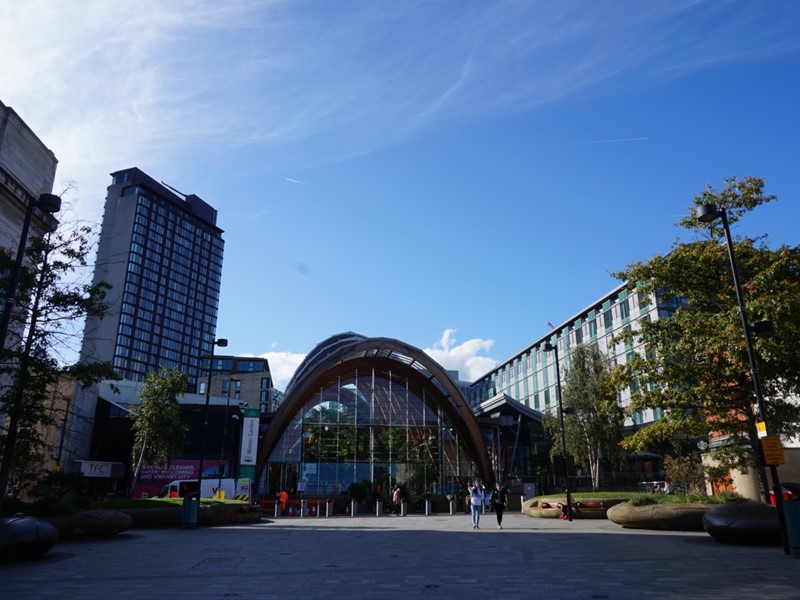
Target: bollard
(303, 508)
(404, 508)
(353, 508)
(319, 514)
(452, 506)
(427, 508)
(522, 504)
(378, 508)
(277, 509)
(328, 508)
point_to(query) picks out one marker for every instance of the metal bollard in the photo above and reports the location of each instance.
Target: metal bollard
(452, 506)
(328, 508)
(303, 508)
(378, 508)
(318, 512)
(522, 504)
(427, 508)
(404, 508)
(277, 509)
(353, 508)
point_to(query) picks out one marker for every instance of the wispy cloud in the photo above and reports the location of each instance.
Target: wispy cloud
(617, 141)
(290, 180)
(156, 84)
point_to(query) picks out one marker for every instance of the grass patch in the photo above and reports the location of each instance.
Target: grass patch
(646, 499)
(591, 495)
(129, 503)
(642, 499)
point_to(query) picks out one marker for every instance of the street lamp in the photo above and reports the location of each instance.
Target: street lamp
(222, 343)
(231, 383)
(706, 214)
(49, 203)
(548, 347)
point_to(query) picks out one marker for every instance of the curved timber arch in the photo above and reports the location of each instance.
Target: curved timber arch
(351, 355)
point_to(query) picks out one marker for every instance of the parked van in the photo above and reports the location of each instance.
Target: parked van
(232, 489)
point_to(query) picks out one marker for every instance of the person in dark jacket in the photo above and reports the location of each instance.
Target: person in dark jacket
(499, 501)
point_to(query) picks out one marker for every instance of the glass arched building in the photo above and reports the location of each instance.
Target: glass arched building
(374, 412)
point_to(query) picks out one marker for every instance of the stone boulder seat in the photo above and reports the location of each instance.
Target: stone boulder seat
(660, 517)
(25, 538)
(744, 523)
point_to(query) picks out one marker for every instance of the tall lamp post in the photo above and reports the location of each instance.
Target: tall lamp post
(231, 383)
(706, 214)
(48, 203)
(222, 343)
(548, 347)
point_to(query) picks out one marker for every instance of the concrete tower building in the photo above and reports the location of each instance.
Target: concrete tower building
(162, 254)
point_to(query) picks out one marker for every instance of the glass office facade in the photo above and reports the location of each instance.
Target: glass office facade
(375, 427)
(372, 412)
(162, 254)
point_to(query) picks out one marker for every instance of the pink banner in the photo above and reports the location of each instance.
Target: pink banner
(152, 478)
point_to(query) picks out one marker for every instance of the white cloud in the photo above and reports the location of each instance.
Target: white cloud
(282, 366)
(463, 357)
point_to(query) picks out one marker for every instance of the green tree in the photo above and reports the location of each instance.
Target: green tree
(157, 429)
(47, 312)
(696, 368)
(593, 429)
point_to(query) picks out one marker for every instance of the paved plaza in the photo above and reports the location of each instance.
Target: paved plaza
(438, 556)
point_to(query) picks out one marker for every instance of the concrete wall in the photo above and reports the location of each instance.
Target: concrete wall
(24, 155)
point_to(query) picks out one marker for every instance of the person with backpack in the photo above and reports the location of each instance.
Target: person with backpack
(476, 498)
(499, 502)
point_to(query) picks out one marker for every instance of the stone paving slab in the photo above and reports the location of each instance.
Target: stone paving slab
(375, 558)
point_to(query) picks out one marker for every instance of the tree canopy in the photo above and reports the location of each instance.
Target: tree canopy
(158, 433)
(593, 428)
(46, 314)
(696, 367)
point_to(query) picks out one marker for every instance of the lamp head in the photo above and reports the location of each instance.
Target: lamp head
(708, 212)
(548, 347)
(763, 329)
(222, 343)
(49, 203)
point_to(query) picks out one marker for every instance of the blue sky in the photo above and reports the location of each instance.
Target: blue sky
(454, 174)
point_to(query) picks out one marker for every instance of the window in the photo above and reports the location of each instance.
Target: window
(624, 310)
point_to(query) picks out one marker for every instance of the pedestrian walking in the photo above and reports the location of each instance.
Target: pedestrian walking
(476, 498)
(396, 497)
(499, 502)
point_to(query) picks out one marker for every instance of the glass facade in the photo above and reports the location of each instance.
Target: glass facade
(163, 255)
(375, 429)
(598, 324)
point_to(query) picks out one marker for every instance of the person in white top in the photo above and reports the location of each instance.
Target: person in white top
(476, 498)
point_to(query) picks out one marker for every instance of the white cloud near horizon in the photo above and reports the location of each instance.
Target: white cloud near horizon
(467, 358)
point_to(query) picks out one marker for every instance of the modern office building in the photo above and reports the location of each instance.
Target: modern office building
(162, 254)
(530, 375)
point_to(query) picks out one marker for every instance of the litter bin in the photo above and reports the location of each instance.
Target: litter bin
(791, 510)
(191, 503)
